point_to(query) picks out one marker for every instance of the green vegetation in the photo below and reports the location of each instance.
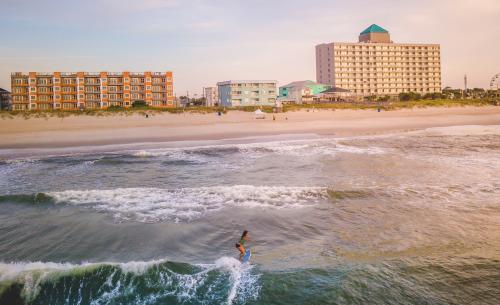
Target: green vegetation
(139, 109)
(139, 104)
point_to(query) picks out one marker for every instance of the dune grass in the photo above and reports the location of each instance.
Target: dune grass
(143, 111)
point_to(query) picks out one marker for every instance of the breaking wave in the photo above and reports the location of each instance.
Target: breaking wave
(152, 205)
(178, 205)
(256, 150)
(226, 281)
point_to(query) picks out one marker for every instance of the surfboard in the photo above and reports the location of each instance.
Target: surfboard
(247, 256)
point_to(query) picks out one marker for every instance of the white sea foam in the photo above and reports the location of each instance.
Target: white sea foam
(185, 204)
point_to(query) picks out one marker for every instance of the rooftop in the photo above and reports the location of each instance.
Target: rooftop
(335, 90)
(255, 81)
(374, 29)
(300, 84)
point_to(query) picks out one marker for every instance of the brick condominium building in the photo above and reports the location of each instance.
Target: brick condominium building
(377, 66)
(90, 90)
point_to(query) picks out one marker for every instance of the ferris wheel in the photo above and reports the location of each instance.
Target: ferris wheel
(495, 82)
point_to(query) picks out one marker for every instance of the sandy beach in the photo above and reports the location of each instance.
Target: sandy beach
(120, 129)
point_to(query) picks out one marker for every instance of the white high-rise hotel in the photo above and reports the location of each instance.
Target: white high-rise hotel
(377, 66)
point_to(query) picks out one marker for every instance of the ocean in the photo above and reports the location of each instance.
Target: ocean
(404, 218)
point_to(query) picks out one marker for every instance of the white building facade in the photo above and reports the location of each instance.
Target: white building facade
(236, 93)
(211, 96)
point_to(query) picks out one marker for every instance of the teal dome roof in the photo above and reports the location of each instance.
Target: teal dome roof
(374, 29)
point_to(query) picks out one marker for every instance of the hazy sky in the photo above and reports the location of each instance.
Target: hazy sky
(205, 41)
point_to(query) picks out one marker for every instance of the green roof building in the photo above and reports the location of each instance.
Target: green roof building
(296, 90)
(377, 66)
(375, 34)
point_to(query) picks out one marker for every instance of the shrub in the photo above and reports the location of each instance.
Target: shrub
(139, 103)
(115, 108)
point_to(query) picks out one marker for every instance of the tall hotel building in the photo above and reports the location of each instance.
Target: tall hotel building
(90, 90)
(377, 66)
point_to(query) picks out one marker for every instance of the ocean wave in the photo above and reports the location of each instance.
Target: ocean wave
(152, 205)
(186, 204)
(159, 281)
(295, 148)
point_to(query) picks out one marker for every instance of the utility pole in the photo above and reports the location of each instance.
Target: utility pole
(203, 96)
(465, 86)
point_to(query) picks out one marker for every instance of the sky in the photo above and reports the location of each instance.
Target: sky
(206, 41)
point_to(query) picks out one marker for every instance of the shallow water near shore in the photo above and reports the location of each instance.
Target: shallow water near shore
(408, 218)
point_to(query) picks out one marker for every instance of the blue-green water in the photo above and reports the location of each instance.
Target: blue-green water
(411, 218)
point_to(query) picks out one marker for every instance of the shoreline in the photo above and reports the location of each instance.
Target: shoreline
(85, 131)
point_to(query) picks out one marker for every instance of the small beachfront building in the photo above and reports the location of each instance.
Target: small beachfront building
(5, 99)
(335, 94)
(301, 92)
(237, 93)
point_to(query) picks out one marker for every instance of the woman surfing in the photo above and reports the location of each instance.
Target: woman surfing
(244, 253)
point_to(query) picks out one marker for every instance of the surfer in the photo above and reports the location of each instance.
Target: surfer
(241, 249)
(244, 256)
